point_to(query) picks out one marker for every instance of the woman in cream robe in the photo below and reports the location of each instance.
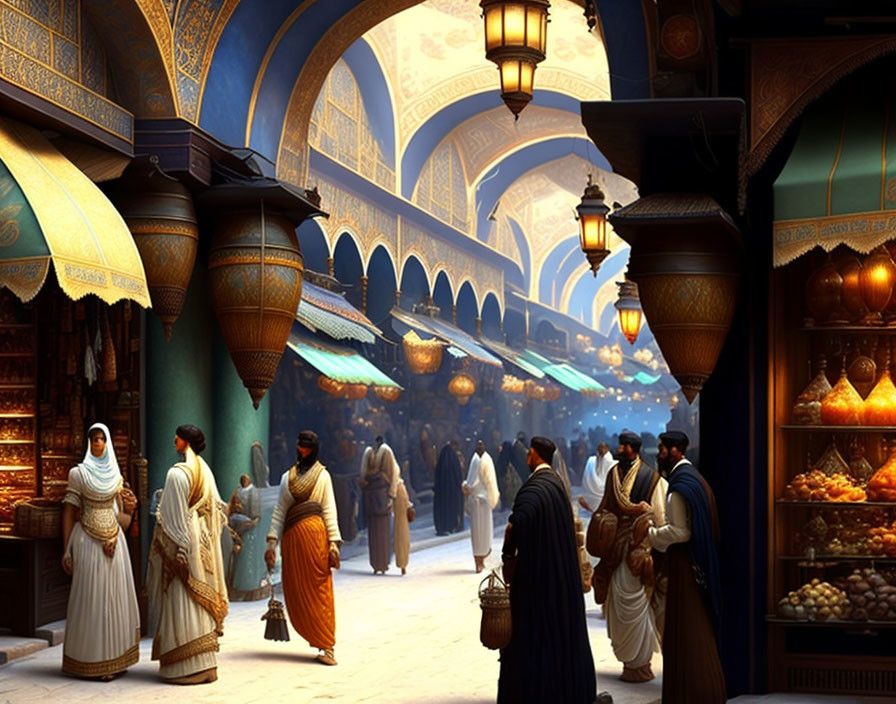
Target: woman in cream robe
(187, 590)
(481, 490)
(102, 635)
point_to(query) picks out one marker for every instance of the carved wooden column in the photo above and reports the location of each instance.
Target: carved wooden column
(479, 327)
(331, 266)
(364, 282)
(454, 314)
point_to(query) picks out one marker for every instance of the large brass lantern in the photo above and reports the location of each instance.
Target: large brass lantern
(592, 217)
(515, 38)
(629, 307)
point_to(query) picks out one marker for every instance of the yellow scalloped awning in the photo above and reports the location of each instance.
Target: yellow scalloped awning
(51, 211)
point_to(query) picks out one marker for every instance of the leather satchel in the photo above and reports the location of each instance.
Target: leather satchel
(602, 533)
(412, 514)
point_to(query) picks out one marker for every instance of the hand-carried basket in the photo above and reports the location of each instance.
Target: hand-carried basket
(497, 625)
(37, 518)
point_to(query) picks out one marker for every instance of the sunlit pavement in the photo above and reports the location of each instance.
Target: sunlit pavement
(399, 639)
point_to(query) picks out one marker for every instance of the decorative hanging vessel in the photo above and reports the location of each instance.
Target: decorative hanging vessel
(255, 279)
(387, 393)
(685, 260)
(462, 386)
(330, 385)
(423, 356)
(159, 212)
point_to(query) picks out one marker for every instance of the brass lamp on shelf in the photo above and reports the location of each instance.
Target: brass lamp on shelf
(876, 280)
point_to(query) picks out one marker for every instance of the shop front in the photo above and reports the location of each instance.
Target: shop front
(70, 344)
(832, 461)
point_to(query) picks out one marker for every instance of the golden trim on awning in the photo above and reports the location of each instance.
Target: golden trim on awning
(85, 236)
(859, 231)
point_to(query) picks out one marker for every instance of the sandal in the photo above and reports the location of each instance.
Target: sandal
(326, 657)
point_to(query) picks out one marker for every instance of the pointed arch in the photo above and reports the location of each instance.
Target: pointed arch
(491, 317)
(314, 245)
(381, 284)
(467, 307)
(443, 294)
(348, 266)
(414, 285)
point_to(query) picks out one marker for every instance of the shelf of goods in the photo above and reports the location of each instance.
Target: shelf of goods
(832, 480)
(18, 399)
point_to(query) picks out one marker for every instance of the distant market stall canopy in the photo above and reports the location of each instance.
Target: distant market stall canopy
(461, 342)
(328, 312)
(839, 183)
(51, 211)
(339, 363)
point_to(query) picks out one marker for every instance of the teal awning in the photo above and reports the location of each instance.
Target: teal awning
(838, 184)
(514, 357)
(563, 373)
(339, 363)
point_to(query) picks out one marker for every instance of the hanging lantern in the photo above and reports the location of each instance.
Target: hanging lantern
(423, 356)
(515, 39)
(355, 392)
(592, 217)
(255, 281)
(552, 392)
(330, 385)
(462, 386)
(387, 393)
(513, 385)
(629, 307)
(876, 279)
(159, 212)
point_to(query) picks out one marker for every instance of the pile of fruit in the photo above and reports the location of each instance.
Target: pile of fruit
(818, 486)
(815, 601)
(882, 486)
(871, 597)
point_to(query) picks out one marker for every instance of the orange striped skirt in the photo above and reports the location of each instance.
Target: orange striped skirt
(308, 583)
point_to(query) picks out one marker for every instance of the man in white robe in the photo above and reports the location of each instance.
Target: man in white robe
(187, 589)
(594, 479)
(481, 491)
(634, 603)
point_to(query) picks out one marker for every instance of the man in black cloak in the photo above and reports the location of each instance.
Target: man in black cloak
(692, 671)
(520, 453)
(549, 657)
(448, 499)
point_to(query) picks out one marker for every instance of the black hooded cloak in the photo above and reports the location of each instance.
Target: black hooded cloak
(448, 499)
(549, 655)
(520, 452)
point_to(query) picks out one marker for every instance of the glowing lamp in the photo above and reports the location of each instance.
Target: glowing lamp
(592, 216)
(876, 279)
(515, 38)
(629, 306)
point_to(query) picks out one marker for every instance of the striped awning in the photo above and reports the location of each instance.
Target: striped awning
(51, 211)
(839, 183)
(329, 312)
(339, 363)
(515, 358)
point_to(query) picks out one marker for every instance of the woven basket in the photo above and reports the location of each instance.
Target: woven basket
(37, 518)
(497, 625)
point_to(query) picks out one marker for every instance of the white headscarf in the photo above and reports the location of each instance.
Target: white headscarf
(101, 474)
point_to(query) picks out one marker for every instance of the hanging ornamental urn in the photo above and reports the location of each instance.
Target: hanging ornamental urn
(255, 273)
(159, 212)
(684, 259)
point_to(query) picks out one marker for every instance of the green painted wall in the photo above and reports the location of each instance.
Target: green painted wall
(237, 423)
(179, 384)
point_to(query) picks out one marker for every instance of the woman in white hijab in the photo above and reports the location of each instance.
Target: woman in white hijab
(102, 633)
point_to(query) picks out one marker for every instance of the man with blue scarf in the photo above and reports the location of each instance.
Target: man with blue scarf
(692, 672)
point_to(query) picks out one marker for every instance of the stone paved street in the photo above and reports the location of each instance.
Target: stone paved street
(399, 639)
